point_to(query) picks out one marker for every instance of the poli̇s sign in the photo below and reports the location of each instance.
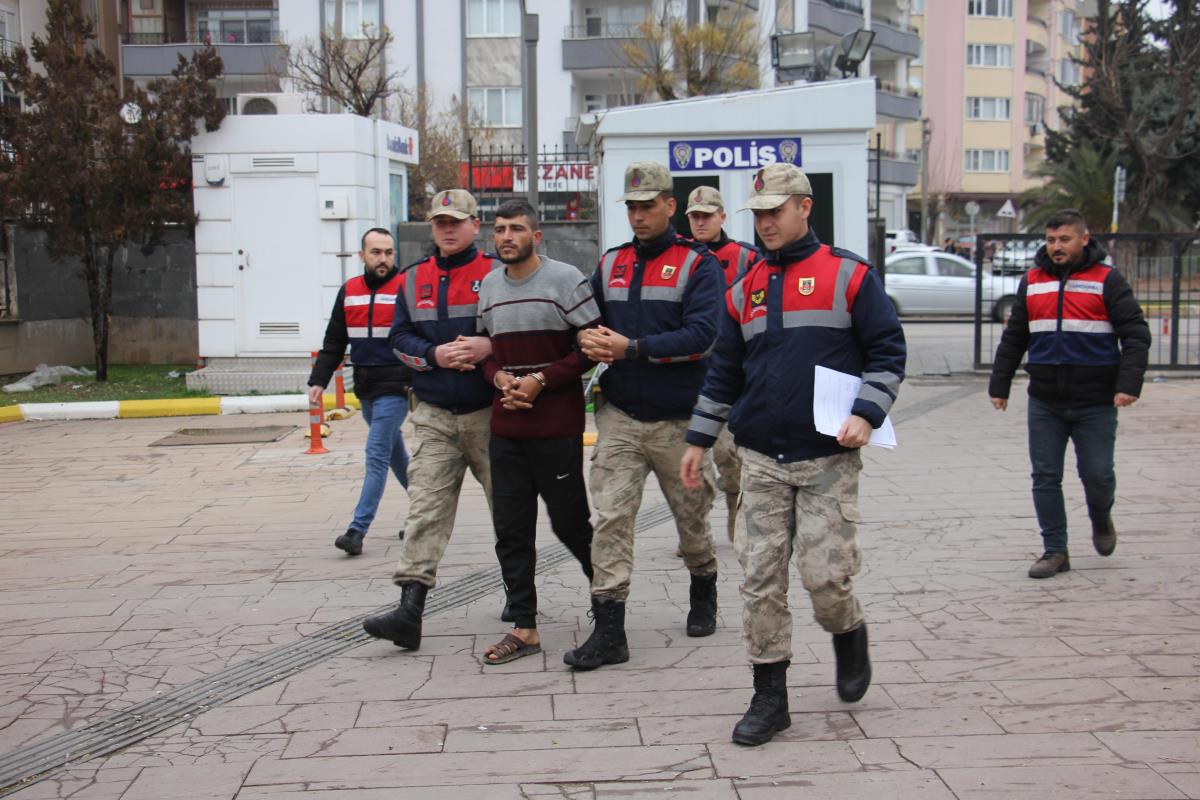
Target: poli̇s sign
(710, 154)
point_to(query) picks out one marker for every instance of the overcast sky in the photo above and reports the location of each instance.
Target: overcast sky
(1158, 8)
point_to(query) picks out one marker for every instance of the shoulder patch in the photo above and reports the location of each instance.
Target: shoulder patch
(838, 251)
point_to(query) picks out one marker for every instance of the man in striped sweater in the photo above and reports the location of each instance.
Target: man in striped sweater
(532, 310)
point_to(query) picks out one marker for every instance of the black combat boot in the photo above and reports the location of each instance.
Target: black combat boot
(350, 541)
(702, 618)
(768, 712)
(1104, 536)
(403, 623)
(853, 663)
(607, 644)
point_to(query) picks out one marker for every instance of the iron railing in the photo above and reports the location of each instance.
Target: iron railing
(566, 184)
(1163, 270)
(272, 36)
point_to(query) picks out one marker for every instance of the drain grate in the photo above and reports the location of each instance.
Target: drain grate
(257, 435)
(41, 759)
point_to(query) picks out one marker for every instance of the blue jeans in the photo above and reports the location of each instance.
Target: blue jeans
(1094, 432)
(385, 447)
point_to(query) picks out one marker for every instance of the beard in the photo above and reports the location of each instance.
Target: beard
(523, 252)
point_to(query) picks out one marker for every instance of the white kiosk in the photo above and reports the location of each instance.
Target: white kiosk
(722, 140)
(282, 202)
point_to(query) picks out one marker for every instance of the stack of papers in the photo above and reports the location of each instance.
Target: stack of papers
(834, 394)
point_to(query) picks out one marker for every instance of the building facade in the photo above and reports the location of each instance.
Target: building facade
(988, 75)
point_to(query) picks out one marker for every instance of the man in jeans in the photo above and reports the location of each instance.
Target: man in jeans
(532, 310)
(362, 317)
(1087, 346)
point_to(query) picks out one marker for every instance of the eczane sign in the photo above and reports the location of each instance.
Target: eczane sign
(565, 176)
(693, 155)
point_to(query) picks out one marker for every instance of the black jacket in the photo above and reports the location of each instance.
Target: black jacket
(368, 381)
(1077, 385)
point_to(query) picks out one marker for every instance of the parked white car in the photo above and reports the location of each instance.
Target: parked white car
(934, 282)
(899, 238)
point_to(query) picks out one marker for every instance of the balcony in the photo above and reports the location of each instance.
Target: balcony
(899, 169)
(838, 17)
(896, 103)
(595, 46)
(156, 54)
(895, 38)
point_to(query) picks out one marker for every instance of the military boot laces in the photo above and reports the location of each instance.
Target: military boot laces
(702, 617)
(768, 713)
(402, 625)
(607, 644)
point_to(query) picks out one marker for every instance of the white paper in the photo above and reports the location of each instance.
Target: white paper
(833, 397)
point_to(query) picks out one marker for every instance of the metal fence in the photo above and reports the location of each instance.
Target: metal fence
(1162, 269)
(566, 180)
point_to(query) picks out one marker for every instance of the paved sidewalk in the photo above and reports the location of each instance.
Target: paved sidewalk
(128, 571)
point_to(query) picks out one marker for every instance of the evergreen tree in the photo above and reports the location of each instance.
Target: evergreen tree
(1139, 106)
(92, 169)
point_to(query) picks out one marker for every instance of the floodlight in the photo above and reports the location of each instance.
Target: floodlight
(855, 46)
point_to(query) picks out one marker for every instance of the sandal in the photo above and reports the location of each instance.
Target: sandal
(510, 648)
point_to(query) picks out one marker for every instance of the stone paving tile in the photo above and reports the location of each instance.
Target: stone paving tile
(783, 759)
(645, 790)
(542, 735)
(366, 741)
(1012, 750)
(511, 791)
(930, 721)
(567, 765)
(1098, 717)
(878, 785)
(205, 782)
(806, 726)
(1091, 782)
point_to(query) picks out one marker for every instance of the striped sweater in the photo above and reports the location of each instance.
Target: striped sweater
(532, 323)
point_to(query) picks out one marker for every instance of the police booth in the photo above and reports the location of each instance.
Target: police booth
(722, 140)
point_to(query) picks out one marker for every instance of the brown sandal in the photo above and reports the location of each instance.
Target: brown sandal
(510, 648)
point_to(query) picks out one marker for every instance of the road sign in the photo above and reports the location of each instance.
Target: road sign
(972, 208)
(1008, 210)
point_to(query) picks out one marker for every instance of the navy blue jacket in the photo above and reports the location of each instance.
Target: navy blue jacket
(666, 295)
(803, 306)
(440, 296)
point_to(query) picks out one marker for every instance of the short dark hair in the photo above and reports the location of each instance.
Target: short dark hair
(1067, 216)
(517, 207)
(362, 246)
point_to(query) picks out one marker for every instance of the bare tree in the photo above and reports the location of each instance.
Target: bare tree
(351, 72)
(442, 134)
(674, 59)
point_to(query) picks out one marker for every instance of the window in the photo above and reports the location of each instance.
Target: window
(1035, 106)
(493, 17)
(355, 14)
(495, 107)
(990, 8)
(989, 108)
(952, 268)
(989, 55)
(1068, 72)
(598, 102)
(987, 161)
(237, 26)
(918, 7)
(907, 266)
(1068, 26)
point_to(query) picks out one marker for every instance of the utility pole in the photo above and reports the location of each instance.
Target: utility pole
(926, 138)
(529, 31)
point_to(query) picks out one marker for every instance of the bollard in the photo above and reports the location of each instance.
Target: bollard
(1166, 326)
(316, 421)
(339, 381)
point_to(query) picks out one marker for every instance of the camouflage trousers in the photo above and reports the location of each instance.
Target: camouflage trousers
(626, 451)
(444, 446)
(729, 475)
(809, 508)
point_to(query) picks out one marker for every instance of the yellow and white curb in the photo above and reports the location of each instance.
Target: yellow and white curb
(179, 407)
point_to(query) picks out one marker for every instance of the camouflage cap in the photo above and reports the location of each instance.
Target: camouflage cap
(775, 183)
(645, 180)
(457, 203)
(706, 200)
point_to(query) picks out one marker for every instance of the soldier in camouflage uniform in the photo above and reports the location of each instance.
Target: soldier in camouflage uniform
(659, 297)
(706, 217)
(807, 305)
(434, 334)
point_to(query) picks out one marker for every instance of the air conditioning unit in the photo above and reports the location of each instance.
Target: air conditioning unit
(270, 103)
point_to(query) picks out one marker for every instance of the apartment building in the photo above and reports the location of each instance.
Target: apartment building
(987, 73)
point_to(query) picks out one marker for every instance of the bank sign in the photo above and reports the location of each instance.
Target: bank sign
(710, 154)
